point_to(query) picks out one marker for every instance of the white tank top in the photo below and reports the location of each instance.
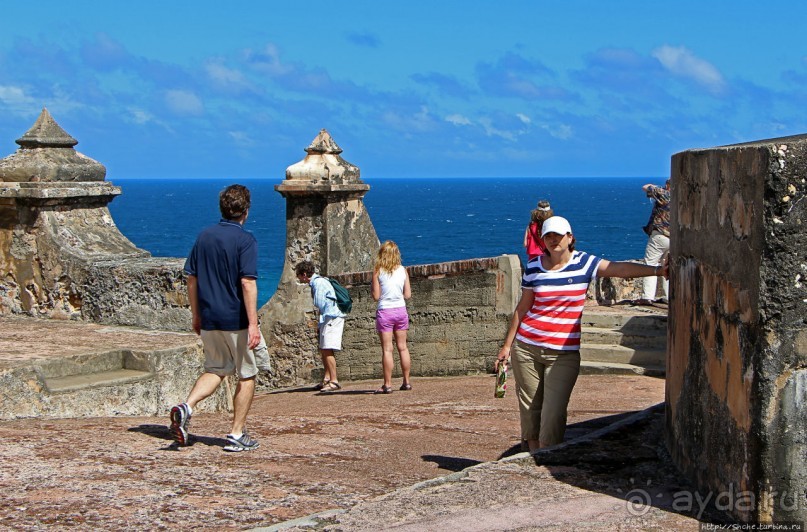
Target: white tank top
(392, 286)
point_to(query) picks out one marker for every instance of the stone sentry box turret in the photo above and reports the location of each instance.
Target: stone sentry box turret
(328, 224)
(61, 255)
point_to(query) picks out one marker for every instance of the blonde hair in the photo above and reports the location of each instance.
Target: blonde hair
(388, 258)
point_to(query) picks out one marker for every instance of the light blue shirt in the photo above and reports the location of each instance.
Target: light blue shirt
(324, 298)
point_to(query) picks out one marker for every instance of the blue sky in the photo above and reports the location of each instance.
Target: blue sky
(407, 89)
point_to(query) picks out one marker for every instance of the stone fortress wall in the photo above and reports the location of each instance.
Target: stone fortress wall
(737, 338)
(62, 256)
(459, 312)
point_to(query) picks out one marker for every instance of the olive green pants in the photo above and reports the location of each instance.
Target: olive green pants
(545, 379)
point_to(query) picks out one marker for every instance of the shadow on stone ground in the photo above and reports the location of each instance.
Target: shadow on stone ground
(630, 463)
(620, 480)
(318, 452)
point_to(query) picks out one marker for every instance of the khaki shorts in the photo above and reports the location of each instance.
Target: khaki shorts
(545, 379)
(330, 333)
(227, 353)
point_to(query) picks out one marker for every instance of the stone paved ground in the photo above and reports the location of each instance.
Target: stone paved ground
(618, 480)
(26, 340)
(317, 452)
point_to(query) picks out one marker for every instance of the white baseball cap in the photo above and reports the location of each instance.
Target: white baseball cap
(556, 224)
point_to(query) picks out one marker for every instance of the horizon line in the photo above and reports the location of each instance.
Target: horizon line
(243, 178)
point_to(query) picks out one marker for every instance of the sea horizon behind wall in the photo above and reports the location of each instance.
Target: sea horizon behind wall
(432, 219)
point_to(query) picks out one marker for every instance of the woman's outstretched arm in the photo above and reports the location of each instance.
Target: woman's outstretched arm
(628, 270)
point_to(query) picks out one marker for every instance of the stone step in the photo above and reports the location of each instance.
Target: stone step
(615, 368)
(623, 355)
(92, 370)
(115, 377)
(625, 322)
(648, 338)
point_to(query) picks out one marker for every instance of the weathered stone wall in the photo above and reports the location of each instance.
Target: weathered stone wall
(614, 290)
(66, 259)
(61, 255)
(736, 399)
(171, 374)
(459, 313)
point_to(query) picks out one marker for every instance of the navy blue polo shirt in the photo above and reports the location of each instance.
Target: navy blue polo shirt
(222, 255)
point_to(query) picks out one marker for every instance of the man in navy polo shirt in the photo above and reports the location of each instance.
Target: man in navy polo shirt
(222, 289)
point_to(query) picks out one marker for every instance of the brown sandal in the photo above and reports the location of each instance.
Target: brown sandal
(384, 389)
(331, 387)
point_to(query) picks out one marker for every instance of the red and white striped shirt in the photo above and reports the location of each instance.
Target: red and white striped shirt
(554, 321)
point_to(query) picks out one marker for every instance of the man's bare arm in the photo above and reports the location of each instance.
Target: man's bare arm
(250, 289)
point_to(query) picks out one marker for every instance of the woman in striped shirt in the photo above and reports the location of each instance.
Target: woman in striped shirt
(546, 325)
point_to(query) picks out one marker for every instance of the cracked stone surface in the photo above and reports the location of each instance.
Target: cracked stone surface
(318, 452)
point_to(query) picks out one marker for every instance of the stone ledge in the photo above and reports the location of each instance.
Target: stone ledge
(56, 190)
(427, 271)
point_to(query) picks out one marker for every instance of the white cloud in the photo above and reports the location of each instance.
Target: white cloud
(458, 120)
(492, 131)
(227, 78)
(269, 61)
(420, 121)
(241, 138)
(560, 131)
(12, 95)
(139, 116)
(15, 99)
(524, 118)
(142, 117)
(184, 102)
(682, 62)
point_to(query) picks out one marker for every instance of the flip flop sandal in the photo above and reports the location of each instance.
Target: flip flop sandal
(321, 385)
(405, 387)
(383, 389)
(331, 387)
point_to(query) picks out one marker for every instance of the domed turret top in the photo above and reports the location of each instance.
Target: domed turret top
(46, 133)
(323, 165)
(323, 143)
(46, 153)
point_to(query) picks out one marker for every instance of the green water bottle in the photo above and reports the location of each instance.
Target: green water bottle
(501, 381)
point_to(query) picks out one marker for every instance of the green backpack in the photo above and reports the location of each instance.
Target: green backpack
(343, 299)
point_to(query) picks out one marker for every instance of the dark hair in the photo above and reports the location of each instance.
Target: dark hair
(234, 202)
(305, 268)
(572, 241)
(541, 213)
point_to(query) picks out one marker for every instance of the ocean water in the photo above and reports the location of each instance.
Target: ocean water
(431, 220)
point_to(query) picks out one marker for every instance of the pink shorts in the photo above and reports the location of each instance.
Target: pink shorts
(391, 319)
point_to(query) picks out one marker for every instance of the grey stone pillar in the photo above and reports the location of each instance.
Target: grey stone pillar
(736, 392)
(326, 223)
(61, 255)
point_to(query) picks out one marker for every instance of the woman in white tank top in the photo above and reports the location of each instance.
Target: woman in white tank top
(391, 289)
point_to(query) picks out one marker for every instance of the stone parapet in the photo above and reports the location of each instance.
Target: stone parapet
(736, 407)
(40, 193)
(459, 313)
(161, 378)
(61, 255)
